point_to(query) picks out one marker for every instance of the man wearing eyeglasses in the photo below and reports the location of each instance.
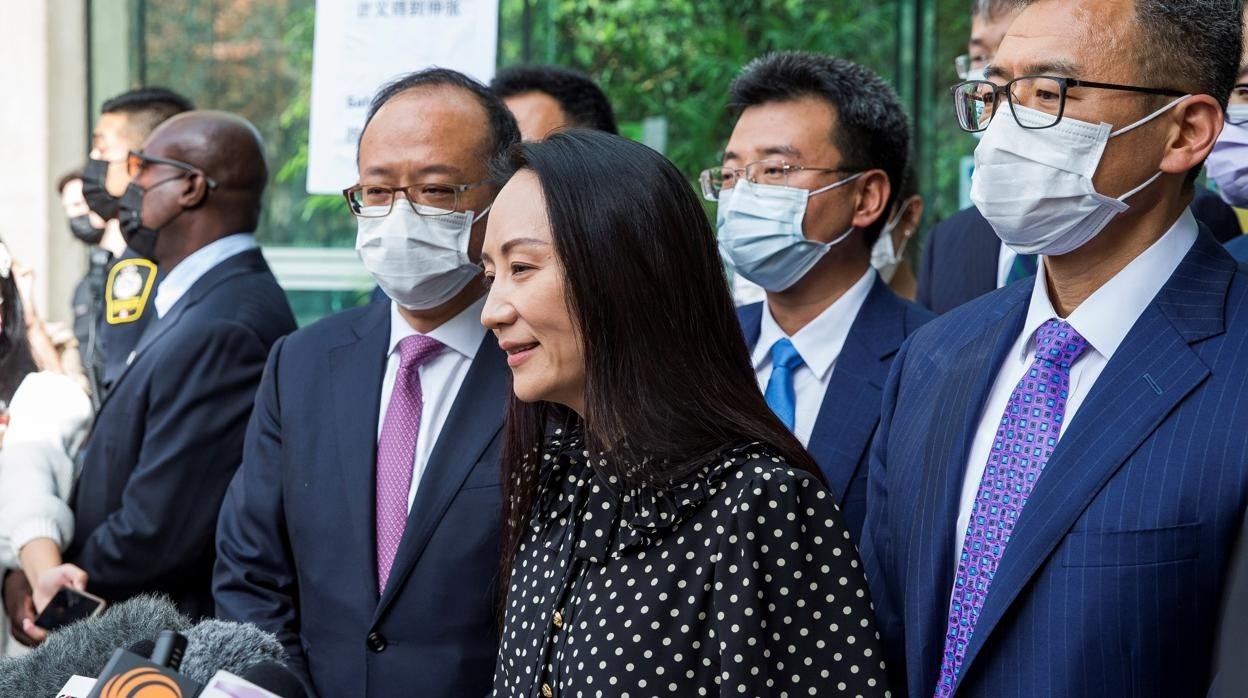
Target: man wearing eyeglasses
(362, 528)
(962, 256)
(168, 437)
(809, 175)
(1060, 471)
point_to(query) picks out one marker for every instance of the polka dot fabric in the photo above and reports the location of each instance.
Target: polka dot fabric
(740, 581)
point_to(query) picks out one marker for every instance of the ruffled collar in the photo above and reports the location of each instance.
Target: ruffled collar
(614, 519)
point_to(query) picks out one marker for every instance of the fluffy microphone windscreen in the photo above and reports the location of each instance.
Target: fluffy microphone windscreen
(215, 645)
(83, 648)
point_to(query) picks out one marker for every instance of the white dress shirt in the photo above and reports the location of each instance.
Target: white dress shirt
(1005, 261)
(1104, 319)
(818, 343)
(440, 377)
(181, 278)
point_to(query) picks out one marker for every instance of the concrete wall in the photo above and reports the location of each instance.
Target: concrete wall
(43, 119)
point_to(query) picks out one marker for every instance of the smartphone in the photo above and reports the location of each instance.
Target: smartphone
(68, 606)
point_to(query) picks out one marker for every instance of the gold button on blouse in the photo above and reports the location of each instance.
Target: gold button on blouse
(546, 690)
(558, 620)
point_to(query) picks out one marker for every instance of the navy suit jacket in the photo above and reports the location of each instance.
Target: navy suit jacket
(851, 407)
(959, 261)
(1238, 248)
(297, 536)
(169, 436)
(1112, 581)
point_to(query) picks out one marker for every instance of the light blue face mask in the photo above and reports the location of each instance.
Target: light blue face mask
(760, 232)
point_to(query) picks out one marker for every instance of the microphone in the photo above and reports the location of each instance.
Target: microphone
(127, 675)
(265, 680)
(218, 645)
(84, 648)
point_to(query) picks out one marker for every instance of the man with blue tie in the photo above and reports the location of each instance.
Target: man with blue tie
(362, 528)
(1060, 470)
(805, 188)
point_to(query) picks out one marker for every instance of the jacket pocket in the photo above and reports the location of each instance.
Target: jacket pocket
(1125, 548)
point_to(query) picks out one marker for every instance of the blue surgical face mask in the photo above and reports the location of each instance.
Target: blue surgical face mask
(760, 232)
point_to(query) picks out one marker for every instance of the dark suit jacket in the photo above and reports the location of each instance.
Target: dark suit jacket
(170, 434)
(1230, 662)
(959, 261)
(851, 407)
(1238, 248)
(297, 541)
(115, 342)
(1112, 581)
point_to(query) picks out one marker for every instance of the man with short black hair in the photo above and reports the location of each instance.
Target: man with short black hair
(546, 98)
(806, 185)
(962, 258)
(124, 123)
(362, 528)
(1060, 470)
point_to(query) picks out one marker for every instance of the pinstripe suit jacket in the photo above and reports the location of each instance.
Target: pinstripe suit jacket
(1111, 583)
(851, 406)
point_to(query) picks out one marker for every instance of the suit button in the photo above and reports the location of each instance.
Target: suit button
(546, 692)
(376, 642)
(558, 621)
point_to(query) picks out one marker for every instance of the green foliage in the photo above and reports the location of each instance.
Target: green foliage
(669, 58)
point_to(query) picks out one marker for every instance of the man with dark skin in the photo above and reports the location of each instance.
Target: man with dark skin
(169, 436)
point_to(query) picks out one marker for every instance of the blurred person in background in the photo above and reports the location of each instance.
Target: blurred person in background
(45, 416)
(88, 228)
(962, 257)
(546, 98)
(1228, 163)
(665, 532)
(804, 191)
(125, 122)
(888, 256)
(169, 435)
(362, 528)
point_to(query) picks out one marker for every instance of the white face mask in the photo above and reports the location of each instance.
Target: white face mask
(419, 261)
(760, 232)
(1227, 165)
(883, 257)
(1035, 185)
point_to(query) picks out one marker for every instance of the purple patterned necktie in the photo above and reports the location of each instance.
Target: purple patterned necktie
(1025, 439)
(396, 450)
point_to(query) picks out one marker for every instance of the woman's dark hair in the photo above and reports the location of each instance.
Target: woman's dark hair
(15, 357)
(668, 379)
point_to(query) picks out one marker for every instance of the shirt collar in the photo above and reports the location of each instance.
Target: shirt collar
(820, 341)
(181, 278)
(1105, 318)
(462, 333)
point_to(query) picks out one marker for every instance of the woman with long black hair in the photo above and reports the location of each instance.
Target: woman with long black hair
(665, 533)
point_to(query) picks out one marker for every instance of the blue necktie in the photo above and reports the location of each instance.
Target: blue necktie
(779, 394)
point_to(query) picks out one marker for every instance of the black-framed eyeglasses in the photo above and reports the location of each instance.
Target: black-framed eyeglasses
(976, 101)
(715, 180)
(137, 160)
(425, 198)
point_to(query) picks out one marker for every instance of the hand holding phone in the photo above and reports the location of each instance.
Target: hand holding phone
(68, 606)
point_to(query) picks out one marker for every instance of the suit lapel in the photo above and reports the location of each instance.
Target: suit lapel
(242, 263)
(356, 371)
(851, 405)
(475, 419)
(1151, 373)
(964, 386)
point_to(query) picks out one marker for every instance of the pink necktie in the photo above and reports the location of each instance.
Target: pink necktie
(396, 450)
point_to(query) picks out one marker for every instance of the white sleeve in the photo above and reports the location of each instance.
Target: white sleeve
(49, 418)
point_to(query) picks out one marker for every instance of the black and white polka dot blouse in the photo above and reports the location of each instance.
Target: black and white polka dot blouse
(739, 581)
